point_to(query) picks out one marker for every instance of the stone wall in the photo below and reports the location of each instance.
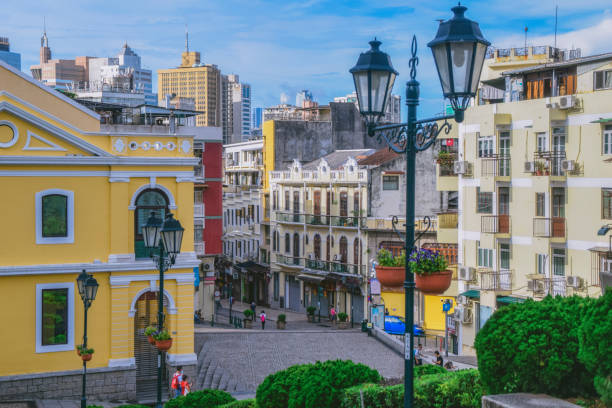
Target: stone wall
(103, 384)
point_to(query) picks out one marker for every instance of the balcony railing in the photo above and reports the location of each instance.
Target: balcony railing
(495, 166)
(448, 220)
(321, 219)
(496, 280)
(495, 224)
(289, 260)
(317, 219)
(332, 266)
(447, 170)
(289, 217)
(549, 163)
(549, 227)
(346, 221)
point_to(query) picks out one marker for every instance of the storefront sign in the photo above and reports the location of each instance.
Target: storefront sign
(375, 287)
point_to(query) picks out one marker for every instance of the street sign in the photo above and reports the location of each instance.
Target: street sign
(446, 306)
(375, 287)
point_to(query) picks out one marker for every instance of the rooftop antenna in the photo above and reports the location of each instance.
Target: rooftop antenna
(556, 14)
(186, 39)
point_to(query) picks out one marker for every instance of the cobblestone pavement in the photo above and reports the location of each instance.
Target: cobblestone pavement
(239, 361)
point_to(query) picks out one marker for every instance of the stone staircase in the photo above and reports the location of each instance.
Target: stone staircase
(211, 374)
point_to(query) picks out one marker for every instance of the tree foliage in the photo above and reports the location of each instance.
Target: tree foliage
(533, 347)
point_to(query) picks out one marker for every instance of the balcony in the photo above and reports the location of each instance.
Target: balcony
(345, 221)
(549, 227)
(332, 266)
(549, 164)
(495, 224)
(199, 248)
(448, 220)
(290, 217)
(318, 219)
(497, 281)
(291, 261)
(497, 166)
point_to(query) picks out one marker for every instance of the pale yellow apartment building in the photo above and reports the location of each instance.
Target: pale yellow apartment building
(534, 182)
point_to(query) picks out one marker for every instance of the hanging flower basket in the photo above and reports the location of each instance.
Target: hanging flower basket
(84, 352)
(150, 332)
(151, 339)
(163, 341)
(435, 283)
(86, 357)
(430, 272)
(391, 275)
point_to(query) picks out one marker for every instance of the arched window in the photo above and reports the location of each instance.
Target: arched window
(287, 200)
(328, 255)
(274, 235)
(343, 204)
(343, 250)
(296, 245)
(356, 204)
(317, 246)
(357, 251)
(148, 201)
(296, 206)
(287, 243)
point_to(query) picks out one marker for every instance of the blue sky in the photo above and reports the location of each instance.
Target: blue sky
(285, 46)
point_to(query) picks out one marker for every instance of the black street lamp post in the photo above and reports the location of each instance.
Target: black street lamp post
(166, 239)
(459, 51)
(88, 288)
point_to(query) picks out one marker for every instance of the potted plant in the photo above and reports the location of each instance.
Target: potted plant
(248, 318)
(342, 320)
(430, 273)
(539, 168)
(85, 352)
(163, 341)
(150, 332)
(445, 158)
(310, 312)
(281, 322)
(390, 270)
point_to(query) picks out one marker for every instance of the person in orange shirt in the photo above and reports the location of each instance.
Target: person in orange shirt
(185, 385)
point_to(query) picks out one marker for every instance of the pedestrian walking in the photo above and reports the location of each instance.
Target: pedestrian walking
(262, 317)
(218, 299)
(439, 360)
(186, 385)
(176, 381)
(332, 314)
(253, 306)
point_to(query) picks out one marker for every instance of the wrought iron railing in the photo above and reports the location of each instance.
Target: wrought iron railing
(289, 260)
(498, 166)
(549, 163)
(549, 227)
(495, 224)
(496, 280)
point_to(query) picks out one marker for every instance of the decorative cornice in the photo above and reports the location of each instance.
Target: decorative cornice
(140, 265)
(94, 160)
(182, 359)
(122, 362)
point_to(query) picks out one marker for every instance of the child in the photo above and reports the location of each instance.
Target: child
(185, 385)
(262, 316)
(176, 381)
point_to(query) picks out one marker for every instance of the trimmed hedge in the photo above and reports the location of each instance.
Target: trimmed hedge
(428, 369)
(316, 385)
(200, 399)
(533, 347)
(132, 406)
(458, 389)
(247, 403)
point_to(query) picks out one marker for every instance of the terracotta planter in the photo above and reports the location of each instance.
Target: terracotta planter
(311, 318)
(434, 284)
(281, 325)
(342, 325)
(78, 352)
(151, 339)
(86, 357)
(163, 345)
(391, 275)
(248, 323)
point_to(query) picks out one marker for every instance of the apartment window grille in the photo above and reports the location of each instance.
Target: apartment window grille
(390, 182)
(485, 202)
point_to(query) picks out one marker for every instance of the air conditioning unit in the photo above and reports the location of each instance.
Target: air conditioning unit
(458, 313)
(466, 273)
(460, 167)
(568, 165)
(535, 285)
(530, 167)
(553, 105)
(567, 102)
(574, 282)
(462, 300)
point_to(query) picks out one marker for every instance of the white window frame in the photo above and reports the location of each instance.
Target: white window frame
(541, 264)
(486, 255)
(69, 238)
(485, 146)
(69, 346)
(606, 140)
(395, 176)
(541, 141)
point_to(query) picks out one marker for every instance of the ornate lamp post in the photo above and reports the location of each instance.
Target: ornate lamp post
(459, 51)
(170, 233)
(88, 288)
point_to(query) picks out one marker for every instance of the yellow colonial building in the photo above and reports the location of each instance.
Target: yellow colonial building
(76, 196)
(534, 183)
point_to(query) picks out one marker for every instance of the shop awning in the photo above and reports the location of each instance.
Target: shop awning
(310, 278)
(474, 294)
(509, 299)
(253, 267)
(602, 120)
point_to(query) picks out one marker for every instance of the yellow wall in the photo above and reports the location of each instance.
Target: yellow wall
(434, 316)
(394, 303)
(268, 152)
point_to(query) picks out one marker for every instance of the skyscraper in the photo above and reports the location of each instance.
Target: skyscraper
(301, 97)
(11, 58)
(193, 79)
(236, 109)
(257, 120)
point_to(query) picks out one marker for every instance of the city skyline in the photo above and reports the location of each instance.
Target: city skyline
(247, 36)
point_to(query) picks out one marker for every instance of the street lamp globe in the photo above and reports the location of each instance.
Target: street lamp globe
(374, 77)
(81, 282)
(172, 235)
(91, 289)
(151, 231)
(459, 52)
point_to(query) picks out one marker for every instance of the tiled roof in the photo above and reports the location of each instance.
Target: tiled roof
(337, 158)
(379, 157)
(560, 64)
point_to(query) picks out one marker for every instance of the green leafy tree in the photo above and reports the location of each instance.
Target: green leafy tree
(533, 347)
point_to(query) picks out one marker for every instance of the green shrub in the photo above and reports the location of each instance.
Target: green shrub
(595, 336)
(386, 258)
(247, 403)
(248, 313)
(342, 317)
(533, 347)
(311, 310)
(316, 385)
(95, 406)
(132, 406)
(603, 385)
(201, 399)
(427, 369)
(282, 318)
(457, 389)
